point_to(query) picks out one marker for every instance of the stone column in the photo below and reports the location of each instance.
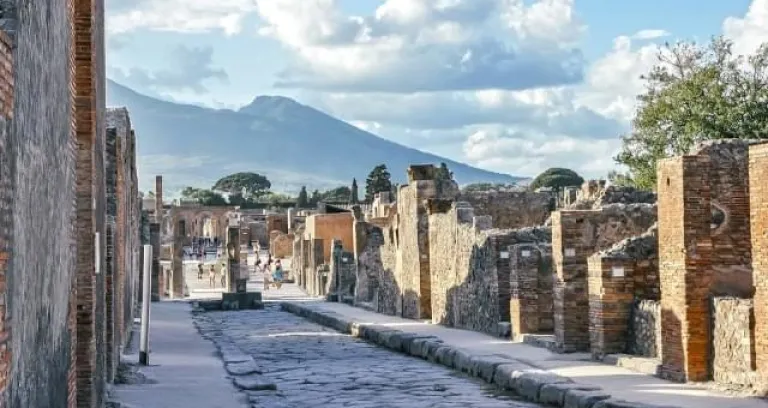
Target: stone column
(177, 253)
(290, 219)
(154, 240)
(159, 199)
(611, 293)
(235, 282)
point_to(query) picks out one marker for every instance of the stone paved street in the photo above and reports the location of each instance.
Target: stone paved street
(312, 366)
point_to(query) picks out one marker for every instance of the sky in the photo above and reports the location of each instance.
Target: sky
(514, 86)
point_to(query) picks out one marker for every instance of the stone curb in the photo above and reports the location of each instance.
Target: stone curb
(530, 383)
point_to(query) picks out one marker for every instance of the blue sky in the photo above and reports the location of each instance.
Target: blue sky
(510, 85)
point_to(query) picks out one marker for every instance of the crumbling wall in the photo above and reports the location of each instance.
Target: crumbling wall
(594, 194)
(512, 209)
(644, 338)
(531, 280)
(576, 235)
(617, 278)
(377, 263)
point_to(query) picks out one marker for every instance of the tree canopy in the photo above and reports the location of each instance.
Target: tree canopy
(378, 181)
(302, 201)
(695, 93)
(443, 173)
(353, 196)
(252, 183)
(556, 178)
(203, 196)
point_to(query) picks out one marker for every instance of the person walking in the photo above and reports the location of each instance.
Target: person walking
(212, 277)
(223, 276)
(277, 275)
(199, 271)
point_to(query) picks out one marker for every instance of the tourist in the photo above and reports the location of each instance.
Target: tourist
(223, 275)
(277, 275)
(199, 271)
(212, 277)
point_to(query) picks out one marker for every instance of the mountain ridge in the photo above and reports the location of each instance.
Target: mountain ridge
(291, 143)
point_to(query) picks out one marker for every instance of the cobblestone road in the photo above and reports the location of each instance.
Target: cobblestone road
(312, 366)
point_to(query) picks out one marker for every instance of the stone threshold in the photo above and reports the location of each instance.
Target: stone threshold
(528, 382)
(638, 364)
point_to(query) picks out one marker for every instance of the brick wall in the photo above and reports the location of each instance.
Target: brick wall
(531, 285)
(758, 174)
(277, 222)
(705, 248)
(282, 246)
(512, 209)
(576, 235)
(617, 277)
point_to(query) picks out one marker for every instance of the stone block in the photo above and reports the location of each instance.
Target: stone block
(529, 384)
(554, 393)
(506, 375)
(583, 399)
(241, 301)
(254, 382)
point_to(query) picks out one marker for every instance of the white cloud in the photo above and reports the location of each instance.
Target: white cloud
(650, 34)
(750, 31)
(188, 16)
(426, 45)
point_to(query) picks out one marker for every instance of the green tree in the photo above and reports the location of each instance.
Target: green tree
(353, 197)
(302, 201)
(246, 184)
(335, 195)
(695, 93)
(378, 180)
(443, 173)
(556, 178)
(316, 197)
(203, 196)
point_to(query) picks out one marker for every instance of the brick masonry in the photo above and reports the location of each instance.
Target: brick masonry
(758, 174)
(576, 235)
(531, 285)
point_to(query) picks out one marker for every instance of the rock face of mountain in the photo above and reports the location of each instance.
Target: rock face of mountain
(292, 144)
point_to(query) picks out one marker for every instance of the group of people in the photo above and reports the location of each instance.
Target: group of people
(275, 278)
(211, 275)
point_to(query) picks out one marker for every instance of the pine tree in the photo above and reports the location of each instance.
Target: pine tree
(353, 194)
(302, 201)
(378, 180)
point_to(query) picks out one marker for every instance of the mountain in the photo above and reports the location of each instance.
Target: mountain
(292, 144)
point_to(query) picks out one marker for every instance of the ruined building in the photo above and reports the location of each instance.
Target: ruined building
(673, 279)
(69, 209)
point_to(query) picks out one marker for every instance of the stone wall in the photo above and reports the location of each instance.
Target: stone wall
(512, 209)
(758, 203)
(733, 345)
(376, 267)
(470, 266)
(277, 222)
(576, 235)
(644, 338)
(595, 194)
(258, 230)
(281, 246)
(57, 338)
(329, 227)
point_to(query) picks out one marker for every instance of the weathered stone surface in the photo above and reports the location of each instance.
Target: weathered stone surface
(583, 399)
(554, 393)
(645, 329)
(732, 342)
(511, 209)
(529, 384)
(254, 382)
(243, 368)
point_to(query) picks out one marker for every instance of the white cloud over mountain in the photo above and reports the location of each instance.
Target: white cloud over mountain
(504, 80)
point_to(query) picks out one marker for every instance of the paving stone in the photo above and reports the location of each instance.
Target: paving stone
(529, 384)
(554, 394)
(583, 399)
(301, 364)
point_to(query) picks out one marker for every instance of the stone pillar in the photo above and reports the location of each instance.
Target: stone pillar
(177, 253)
(157, 274)
(291, 214)
(758, 174)
(159, 199)
(611, 293)
(235, 282)
(685, 259)
(530, 306)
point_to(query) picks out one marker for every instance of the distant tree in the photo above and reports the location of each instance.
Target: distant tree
(336, 195)
(621, 179)
(151, 194)
(443, 173)
(203, 196)
(315, 198)
(237, 199)
(250, 183)
(353, 193)
(302, 201)
(378, 180)
(556, 178)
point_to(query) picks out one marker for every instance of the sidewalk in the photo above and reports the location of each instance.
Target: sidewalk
(620, 383)
(184, 369)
